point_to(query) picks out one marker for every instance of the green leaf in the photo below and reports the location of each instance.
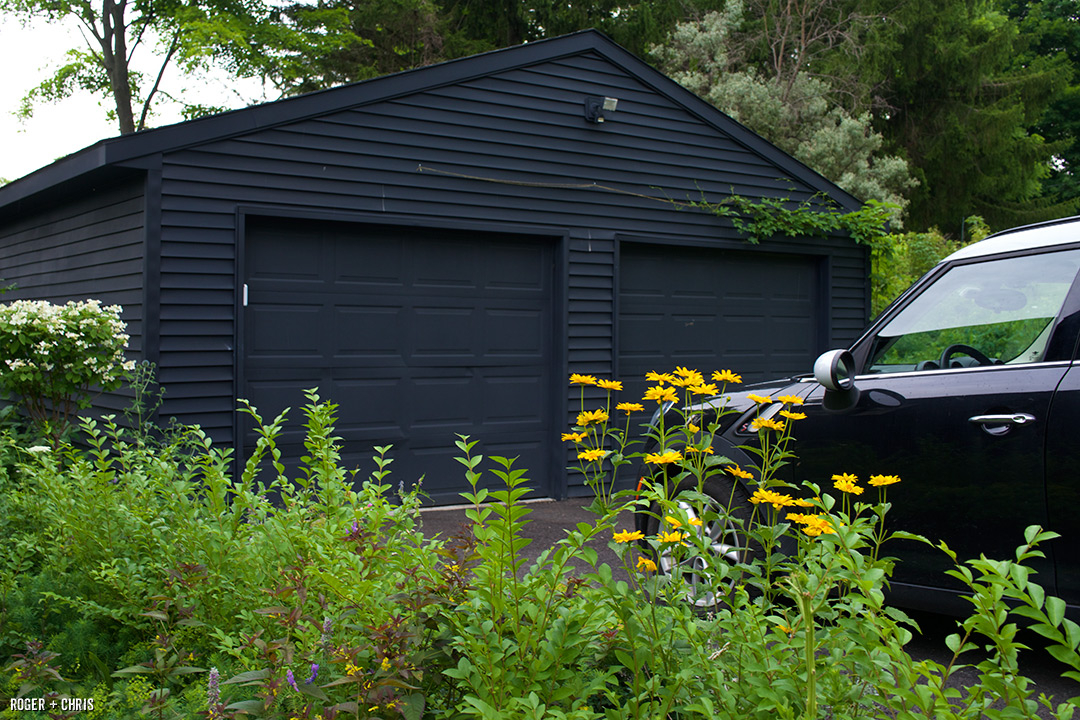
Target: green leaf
(247, 677)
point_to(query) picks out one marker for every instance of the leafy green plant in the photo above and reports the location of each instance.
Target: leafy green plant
(55, 356)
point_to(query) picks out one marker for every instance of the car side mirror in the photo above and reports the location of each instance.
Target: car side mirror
(835, 370)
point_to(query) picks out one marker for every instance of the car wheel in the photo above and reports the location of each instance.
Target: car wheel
(723, 533)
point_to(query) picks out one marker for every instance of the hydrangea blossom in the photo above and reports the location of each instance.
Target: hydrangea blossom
(55, 356)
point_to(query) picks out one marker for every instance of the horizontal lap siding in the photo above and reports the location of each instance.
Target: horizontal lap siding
(91, 248)
(503, 149)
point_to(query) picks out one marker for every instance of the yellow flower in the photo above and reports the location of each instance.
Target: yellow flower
(591, 455)
(582, 379)
(575, 437)
(692, 449)
(588, 417)
(882, 480)
(644, 564)
(814, 525)
(673, 521)
(664, 458)
(759, 399)
(351, 669)
(656, 377)
(696, 522)
(686, 378)
(767, 423)
(661, 394)
(627, 536)
(846, 483)
(789, 399)
(739, 472)
(726, 376)
(610, 384)
(799, 502)
(385, 664)
(672, 537)
(777, 500)
(793, 415)
(784, 629)
(704, 389)
(693, 428)
(630, 407)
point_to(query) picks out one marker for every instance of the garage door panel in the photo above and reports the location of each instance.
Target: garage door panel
(753, 312)
(430, 335)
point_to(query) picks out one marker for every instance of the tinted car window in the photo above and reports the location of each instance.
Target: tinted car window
(993, 312)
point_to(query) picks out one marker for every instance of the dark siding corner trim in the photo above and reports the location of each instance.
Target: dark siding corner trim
(152, 267)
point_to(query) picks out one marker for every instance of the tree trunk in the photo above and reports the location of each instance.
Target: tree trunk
(114, 58)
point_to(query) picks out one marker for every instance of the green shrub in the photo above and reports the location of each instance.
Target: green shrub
(55, 356)
(162, 585)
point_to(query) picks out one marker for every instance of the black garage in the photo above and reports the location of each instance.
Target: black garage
(436, 251)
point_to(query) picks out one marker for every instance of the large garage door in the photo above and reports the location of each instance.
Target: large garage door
(416, 334)
(755, 313)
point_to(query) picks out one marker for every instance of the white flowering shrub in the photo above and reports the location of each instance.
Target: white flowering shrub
(52, 357)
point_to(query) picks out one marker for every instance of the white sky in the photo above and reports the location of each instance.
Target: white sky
(28, 56)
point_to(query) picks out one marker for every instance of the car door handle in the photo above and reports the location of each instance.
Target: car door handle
(1004, 419)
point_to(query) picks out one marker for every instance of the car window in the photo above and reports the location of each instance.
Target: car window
(985, 313)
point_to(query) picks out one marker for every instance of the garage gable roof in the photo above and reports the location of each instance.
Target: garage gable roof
(138, 150)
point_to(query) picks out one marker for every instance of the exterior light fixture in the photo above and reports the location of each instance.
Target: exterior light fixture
(595, 108)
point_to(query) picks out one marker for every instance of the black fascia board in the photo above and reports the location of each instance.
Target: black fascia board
(133, 150)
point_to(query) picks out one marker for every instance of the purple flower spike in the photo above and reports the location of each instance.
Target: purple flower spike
(291, 680)
(314, 674)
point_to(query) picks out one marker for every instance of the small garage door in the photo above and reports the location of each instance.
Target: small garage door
(416, 334)
(756, 313)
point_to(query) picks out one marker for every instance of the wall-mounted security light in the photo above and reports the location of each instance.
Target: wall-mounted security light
(596, 108)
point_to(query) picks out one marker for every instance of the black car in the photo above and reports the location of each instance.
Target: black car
(968, 388)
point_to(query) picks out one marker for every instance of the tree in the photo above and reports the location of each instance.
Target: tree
(964, 111)
(783, 102)
(249, 38)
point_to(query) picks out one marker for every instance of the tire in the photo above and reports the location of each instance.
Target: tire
(726, 539)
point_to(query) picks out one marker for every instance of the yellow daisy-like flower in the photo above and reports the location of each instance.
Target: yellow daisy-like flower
(664, 458)
(883, 480)
(846, 483)
(813, 525)
(759, 399)
(707, 451)
(576, 379)
(793, 415)
(766, 423)
(592, 416)
(630, 407)
(661, 394)
(696, 522)
(660, 378)
(672, 537)
(739, 472)
(789, 399)
(628, 536)
(591, 455)
(644, 564)
(709, 389)
(777, 500)
(574, 437)
(610, 384)
(693, 428)
(726, 376)
(799, 502)
(673, 521)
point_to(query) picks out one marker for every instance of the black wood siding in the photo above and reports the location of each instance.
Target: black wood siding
(505, 150)
(91, 247)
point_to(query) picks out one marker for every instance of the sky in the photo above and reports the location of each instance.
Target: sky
(29, 55)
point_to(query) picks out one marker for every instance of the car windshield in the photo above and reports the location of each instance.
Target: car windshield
(985, 313)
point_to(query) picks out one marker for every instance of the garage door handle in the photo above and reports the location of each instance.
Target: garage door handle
(1007, 419)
